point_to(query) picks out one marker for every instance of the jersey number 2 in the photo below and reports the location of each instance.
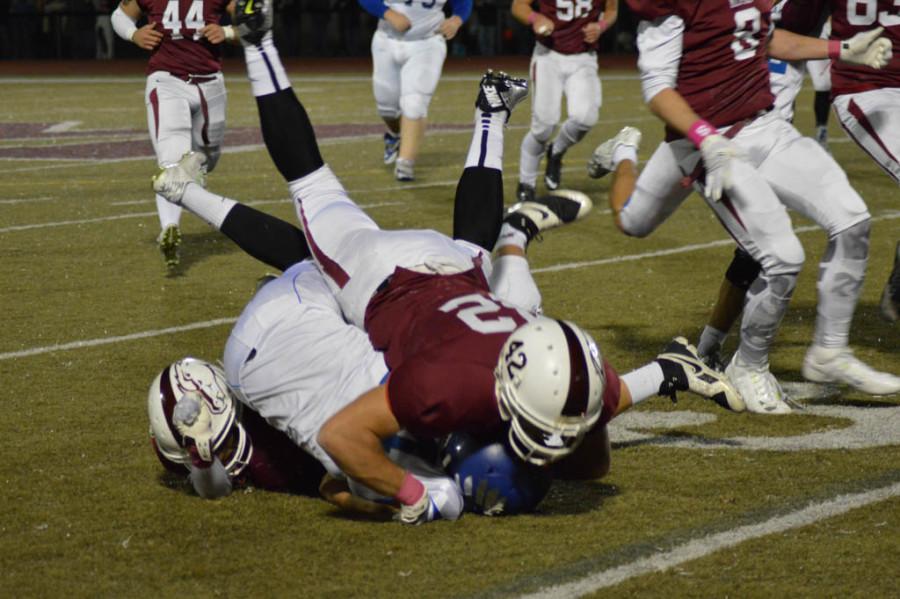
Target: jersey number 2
(476, 313)
(193, 20)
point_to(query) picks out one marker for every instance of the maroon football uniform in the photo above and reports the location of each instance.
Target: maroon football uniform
(569, 18)
(183, 51)
(723, 73)
(848, 19)
(442, 337)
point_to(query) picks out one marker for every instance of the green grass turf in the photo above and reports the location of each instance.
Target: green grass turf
(85, 509)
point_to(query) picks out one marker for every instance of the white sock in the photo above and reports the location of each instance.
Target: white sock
(622, 152)
(530, 159)
(510, 235)
(169, 213)
(644, 382)
(210, 207)
(569, 134)
(486, 148)
(711, 340)
(511, 281)
(264, 68)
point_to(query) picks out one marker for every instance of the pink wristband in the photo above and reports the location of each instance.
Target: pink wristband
(532, 17)
(834, 49)
(603, 25)
(699, 131)
(410, 491)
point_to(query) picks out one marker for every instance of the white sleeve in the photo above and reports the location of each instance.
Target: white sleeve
(122, 24)
(659, 43)
(212, 482)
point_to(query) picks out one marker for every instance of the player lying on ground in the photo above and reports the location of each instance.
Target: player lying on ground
(759, 170)
(469, 405)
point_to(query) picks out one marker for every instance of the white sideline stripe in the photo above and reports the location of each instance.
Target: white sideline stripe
(103, 219)
(107, 340)
(25, 200)
(293, 78)
(698, 548)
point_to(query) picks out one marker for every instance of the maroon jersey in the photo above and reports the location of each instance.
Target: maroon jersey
(183, 51)
(569, 18)
(442, 337)
(723, 73)
(849, 18)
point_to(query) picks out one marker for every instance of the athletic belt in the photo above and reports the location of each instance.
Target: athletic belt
(195, 78)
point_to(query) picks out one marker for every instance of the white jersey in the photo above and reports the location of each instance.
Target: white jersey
(424, 16)
(293, 358)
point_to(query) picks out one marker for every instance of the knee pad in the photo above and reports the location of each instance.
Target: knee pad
(414, 106)
(743, 270)
(787, 257)
(541, 132)
(851, 243)
(584, 122)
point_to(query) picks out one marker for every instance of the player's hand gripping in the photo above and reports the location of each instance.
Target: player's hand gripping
(592, 32)
(541, 25)
(397, 20)
(718, 153)
(415, 503)
(193, 420)
(866, 48)
(214, 33)
(450, 27)
(147, 37)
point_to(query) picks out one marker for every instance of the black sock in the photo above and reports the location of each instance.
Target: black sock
(821, 105)
(288, 134)
(265, 237)
(478, 208)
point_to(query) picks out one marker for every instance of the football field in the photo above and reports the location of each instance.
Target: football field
(699, 503)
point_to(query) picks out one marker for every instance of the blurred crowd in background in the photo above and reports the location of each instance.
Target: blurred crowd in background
(80, 29)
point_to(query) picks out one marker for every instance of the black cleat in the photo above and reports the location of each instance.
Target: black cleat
(553, 173)
(524, 193)
(498, 92)
(685, 371)
(547, 212)
(890, 299)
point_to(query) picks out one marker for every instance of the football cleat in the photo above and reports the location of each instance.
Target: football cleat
(822, 137)
(253, 19)
(525, 193)
(826, 365)
(695, 376)
(549, 211)
(553, 172)
(172, 179)
(391, 147)
(169, 242)
(601, 162)
(758, 388)
(890, 299)
(498, 92)
(404, 170)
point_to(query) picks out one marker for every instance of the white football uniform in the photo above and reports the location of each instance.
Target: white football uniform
(406, 66)
(872, 119)
(293, 358)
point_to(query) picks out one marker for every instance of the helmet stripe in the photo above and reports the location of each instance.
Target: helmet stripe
(579, 375)
(167, 397)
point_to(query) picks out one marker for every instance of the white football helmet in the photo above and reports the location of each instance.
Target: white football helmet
(204, 381)
(549, 383)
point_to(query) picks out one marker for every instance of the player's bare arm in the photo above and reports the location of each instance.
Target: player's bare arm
(124, 20)
(397, 20)
(624, 182)
(353, 436)
(672, 108)
(215, 33)
(523, 13)
(337, 492)
(593, 31)
(867, 48)
(450, 27)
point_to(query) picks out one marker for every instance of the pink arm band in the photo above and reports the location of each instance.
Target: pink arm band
(699, 131)
(603, 25)
(410, 491)
(532, 17)
(834, 49)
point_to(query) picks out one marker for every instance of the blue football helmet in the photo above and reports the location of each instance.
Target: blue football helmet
(494, 481)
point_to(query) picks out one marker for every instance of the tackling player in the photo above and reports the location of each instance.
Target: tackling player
(185, 91)
(460, 360)
(408, 52)
(564, 62)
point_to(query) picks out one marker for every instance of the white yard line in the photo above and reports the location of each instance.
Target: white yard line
(707, 545)
(232, 79)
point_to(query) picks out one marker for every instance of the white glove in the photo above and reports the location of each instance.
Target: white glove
(867, 49)
(193, 420)
(718, 152)
(420, 512)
